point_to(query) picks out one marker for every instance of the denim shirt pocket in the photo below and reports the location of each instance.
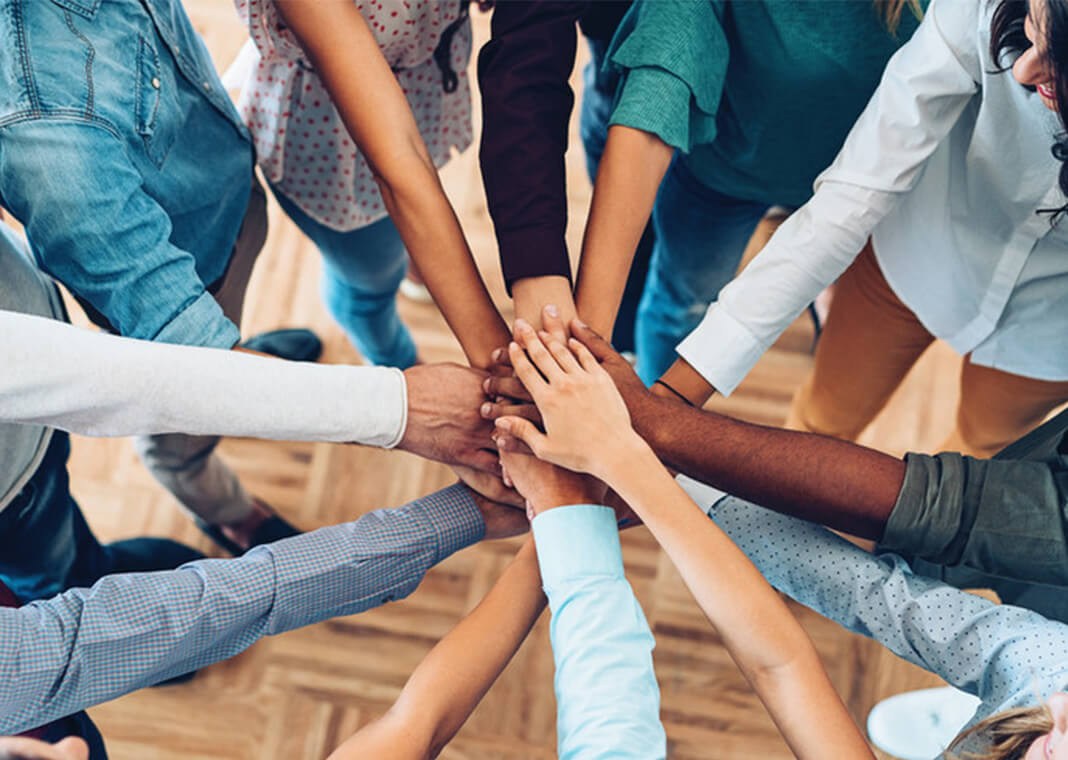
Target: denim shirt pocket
(150, 100)
(84, 8)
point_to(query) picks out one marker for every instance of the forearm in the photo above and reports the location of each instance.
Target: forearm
(431, 232)
(450, 682)
(817, 478)
(761, 635)
(92, 383)
(628, 177)
(377, 115)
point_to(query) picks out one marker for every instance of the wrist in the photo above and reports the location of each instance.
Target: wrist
(682, 379)
(625, 458)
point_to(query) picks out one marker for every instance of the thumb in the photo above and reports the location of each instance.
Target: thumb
(597, 345)
(524, 430)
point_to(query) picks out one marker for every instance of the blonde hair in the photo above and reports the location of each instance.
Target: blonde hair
(1009, 734)
(890, 11)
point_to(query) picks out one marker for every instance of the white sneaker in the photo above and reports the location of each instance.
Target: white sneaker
(415, 291)
(919, 725)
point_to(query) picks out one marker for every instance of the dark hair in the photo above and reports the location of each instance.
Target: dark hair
(1007, 40)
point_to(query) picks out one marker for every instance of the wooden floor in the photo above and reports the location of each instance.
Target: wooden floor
(298, 695)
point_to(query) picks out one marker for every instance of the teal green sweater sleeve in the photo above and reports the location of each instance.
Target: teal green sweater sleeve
(673, 55)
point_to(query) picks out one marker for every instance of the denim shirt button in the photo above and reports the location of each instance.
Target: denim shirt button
(155, 82)
(207, 87)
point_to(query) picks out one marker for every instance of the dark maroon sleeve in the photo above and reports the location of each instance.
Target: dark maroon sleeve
(526, 104)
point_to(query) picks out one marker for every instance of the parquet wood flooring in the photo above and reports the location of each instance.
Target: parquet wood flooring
(298, 695)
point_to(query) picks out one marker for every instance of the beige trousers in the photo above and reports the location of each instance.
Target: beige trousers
(868, 345)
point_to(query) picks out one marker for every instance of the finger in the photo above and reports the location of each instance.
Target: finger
(537, 351)
(597, 345)
(552, 324)
(509, 387)
(585, 358)
(500, 363)
(509, 445)
(526, 411)
(484, 460)
(526, 372)
(560, 352)
(525, 431)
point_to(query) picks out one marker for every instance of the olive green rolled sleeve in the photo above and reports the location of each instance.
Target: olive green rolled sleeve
(1001, 517)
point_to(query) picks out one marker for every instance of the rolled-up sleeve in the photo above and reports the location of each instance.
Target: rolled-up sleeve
(1000, 517)
(99, 233)
(673, 58)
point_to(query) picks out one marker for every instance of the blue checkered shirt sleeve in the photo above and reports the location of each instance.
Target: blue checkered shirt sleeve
(87, 646)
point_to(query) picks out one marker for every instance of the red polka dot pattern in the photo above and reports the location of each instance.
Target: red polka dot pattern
(303, 146)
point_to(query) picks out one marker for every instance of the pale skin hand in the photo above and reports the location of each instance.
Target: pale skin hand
(452, 679)
(372, 105)
(588, 428)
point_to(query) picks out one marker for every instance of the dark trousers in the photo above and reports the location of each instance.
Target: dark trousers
(46, 547)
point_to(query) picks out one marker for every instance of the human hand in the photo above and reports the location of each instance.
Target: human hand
(546, 486)
(585, 418)
(490, 486)
(20, 748)
(501, 520)
(443, 417)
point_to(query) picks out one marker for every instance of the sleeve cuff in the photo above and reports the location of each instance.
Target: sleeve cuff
(533, 252)
(721, 349)
(926, 517)
(201, 323)
(654, 100)
(576, 541)
(455, 517)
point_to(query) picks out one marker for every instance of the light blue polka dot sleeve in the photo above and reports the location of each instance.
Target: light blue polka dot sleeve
(1004, 655)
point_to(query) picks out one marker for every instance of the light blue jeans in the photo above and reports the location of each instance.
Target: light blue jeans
(700, 237)
(362, 270)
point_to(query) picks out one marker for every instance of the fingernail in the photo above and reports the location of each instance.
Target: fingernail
(521, 325)
(579, 322)
(552, 311)
(486, 385)
(487, 408)
(513, 346)
(497, 355)
(502, 423)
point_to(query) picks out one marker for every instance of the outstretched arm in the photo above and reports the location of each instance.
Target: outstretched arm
(579, 404)
(371, 103)
(450, 681)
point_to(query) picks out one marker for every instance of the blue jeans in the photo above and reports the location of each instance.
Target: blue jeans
(362, 270)
(598, 100)
(700, 237)
(46, 546)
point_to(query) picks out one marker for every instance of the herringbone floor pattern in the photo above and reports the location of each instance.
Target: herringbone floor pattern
(297, 696)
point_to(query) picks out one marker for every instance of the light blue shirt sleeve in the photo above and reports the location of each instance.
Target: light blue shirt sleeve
(87, 646)
(1002, 654)
(608, 700)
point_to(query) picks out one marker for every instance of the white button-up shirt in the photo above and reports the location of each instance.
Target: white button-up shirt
(945, 170)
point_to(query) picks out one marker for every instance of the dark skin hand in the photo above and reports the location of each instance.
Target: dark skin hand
(824, 480)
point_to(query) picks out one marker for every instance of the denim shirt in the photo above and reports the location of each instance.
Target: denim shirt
(123, 156)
